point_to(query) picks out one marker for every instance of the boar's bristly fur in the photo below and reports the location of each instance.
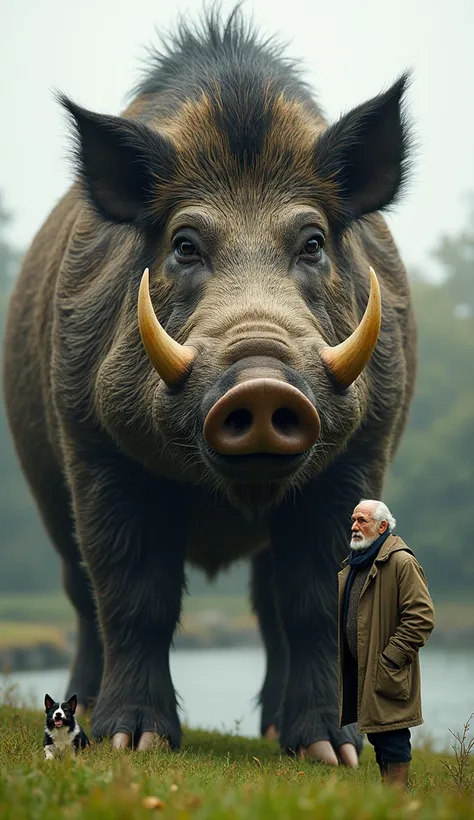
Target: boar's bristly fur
(258, 223)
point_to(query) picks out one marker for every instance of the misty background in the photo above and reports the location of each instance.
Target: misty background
(350, 51)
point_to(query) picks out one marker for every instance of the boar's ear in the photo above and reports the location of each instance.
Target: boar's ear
(363, 156)
(121, 163)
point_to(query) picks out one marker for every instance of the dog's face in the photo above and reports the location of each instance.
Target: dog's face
(59, 714)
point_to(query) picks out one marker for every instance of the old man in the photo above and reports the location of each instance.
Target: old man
(385, 616)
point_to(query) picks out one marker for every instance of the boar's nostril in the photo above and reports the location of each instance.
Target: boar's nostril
(239, 421)
(285, 420)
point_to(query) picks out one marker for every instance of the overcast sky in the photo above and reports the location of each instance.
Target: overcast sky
(351, 49)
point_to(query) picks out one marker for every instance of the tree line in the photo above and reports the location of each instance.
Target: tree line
(431, 484)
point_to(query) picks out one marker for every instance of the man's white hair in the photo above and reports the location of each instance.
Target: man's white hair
(381, 512)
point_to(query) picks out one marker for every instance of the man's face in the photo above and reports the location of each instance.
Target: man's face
(365, 529)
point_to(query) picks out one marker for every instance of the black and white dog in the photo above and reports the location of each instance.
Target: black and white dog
(62, 733)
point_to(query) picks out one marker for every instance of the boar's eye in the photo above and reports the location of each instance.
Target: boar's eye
(185, 250)
(312, 247)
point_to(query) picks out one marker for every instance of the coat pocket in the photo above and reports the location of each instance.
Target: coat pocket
(392, 682)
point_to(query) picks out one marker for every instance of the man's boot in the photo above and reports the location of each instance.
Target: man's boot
(397, 774)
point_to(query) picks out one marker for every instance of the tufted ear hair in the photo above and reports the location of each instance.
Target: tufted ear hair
(363, 158)
(121, 163)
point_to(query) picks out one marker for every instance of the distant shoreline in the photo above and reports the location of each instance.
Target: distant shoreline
(43, 655)
(37, 631)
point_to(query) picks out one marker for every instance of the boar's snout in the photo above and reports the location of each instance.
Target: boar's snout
(262, 415)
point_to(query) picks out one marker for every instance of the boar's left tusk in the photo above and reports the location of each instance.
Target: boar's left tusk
(347, 360)
(170, 359)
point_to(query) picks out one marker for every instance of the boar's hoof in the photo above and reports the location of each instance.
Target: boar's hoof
(138, 726)
(121, 740)
(147, 741)
(320, 750)
(152, 740)
(347, 754)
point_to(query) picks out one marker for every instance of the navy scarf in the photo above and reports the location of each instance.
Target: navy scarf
(358, 560)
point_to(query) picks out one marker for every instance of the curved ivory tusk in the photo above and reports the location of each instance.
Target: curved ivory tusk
(170, 359)
(347, 360)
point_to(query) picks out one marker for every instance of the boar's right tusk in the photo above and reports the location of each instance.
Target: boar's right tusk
(170, 359)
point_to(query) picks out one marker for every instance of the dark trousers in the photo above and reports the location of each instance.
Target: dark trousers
(391, 747)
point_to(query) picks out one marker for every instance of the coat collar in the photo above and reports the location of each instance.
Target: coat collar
(392, 544)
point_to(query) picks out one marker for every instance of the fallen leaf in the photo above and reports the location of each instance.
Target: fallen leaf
(153, 803)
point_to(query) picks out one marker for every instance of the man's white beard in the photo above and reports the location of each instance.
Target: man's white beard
(362, 543)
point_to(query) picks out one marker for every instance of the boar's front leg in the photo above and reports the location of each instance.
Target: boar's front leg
(265, 606)
(308, 544)
(131, 530)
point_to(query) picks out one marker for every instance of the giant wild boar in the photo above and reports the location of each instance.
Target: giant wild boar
(255, 422)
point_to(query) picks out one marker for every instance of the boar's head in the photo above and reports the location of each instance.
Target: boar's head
(246, 208)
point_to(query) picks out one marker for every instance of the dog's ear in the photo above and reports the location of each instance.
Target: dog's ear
(73, 703)
(48, 702)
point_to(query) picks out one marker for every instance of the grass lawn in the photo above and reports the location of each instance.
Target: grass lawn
(213, 777)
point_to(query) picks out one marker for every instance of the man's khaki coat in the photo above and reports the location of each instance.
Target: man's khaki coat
(395, 619)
